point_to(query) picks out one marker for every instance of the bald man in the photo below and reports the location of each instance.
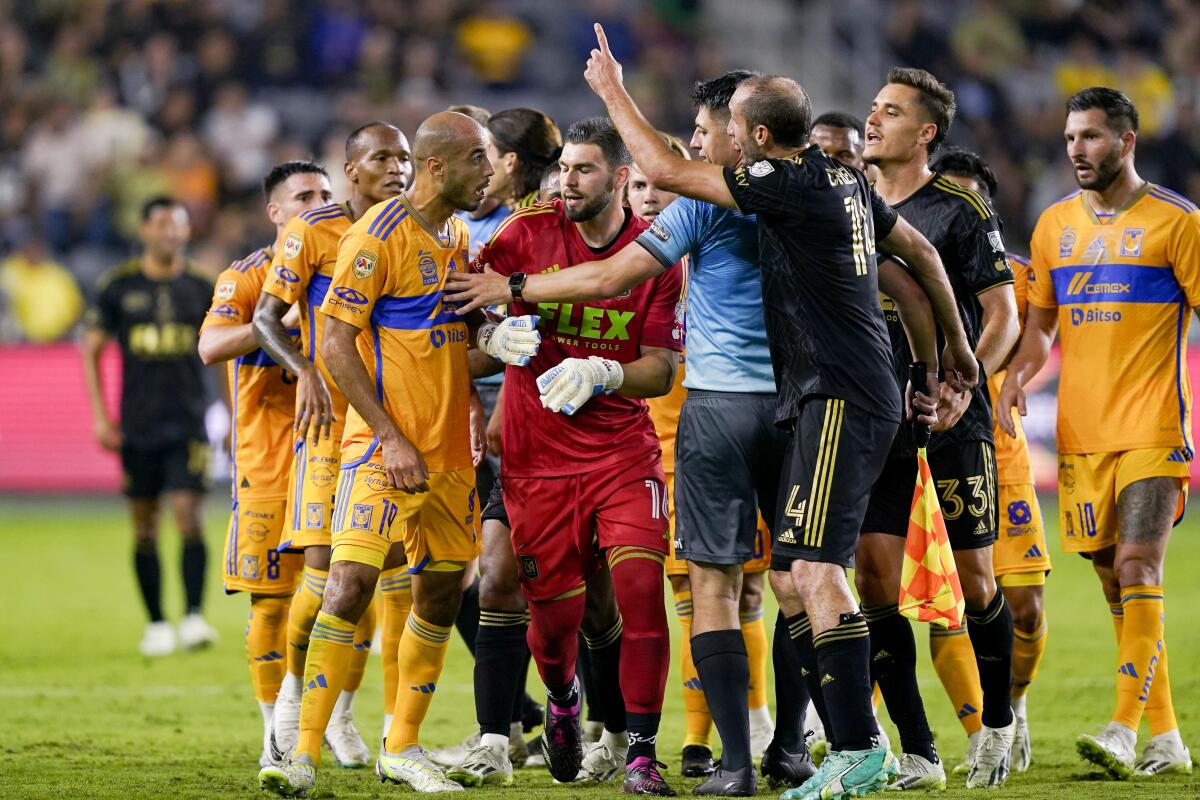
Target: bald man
(406, 491)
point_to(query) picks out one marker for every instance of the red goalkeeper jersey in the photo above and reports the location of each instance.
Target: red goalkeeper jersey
(609, 428)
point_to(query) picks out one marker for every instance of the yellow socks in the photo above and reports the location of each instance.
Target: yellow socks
(329, 652)
(395, 592)
(697, 719)
(1160, 710)
(363, 635)
(421, 655)
(755, 634)
(266, 639)
(306, 602)
(1028, 647)
(954, 661)
(1139, 652)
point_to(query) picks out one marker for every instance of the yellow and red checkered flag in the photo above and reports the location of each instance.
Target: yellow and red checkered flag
(929, 586)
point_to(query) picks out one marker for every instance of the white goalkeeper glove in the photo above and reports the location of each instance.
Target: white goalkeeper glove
(513, 341)
(574, 381)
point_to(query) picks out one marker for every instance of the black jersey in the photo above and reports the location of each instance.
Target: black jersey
(156, 322)
(966, 234)
(817, 224)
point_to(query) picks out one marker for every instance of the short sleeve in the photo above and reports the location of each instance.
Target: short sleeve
(1041, 288)
(358, 279)
(1021, 277)
(1184, 254)
(103, 313)
(981, 251)
(233, 299)
(292, 268)
(505, 251)
(675, 232)
(883, 216)
(761, 188)
(664, 316)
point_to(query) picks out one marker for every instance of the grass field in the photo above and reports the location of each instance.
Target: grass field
(84, 716)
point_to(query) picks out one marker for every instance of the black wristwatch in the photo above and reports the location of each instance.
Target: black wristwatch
(516, 285)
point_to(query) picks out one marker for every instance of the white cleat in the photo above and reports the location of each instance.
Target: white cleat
(1021, 754)
(285, 725)
(195, 632)
(158, 640)
(518, 748)
(917, 772)
(964, 766)
(483, 766)
(1165, 753)
(600, 764)
(293, 779)
(413, 768)
(761, 734)
(345, 742)
(1112, 749)
(455, 753)
(592, 731)
(990, 768)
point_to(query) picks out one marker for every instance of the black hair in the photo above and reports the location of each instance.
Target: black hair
(1119, 111)
(780, 105)
(840, 119)
(157, 202)
(715, 94)
(963, 163)
(533, 136)
(281, 172)
(935, 97)
(352, 140)
(600, 132)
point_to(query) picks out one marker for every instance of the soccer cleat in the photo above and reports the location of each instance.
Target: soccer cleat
(562, 740)
(292, 779)
(845, 774)
(761, 735)
(518, 749)
(990, 768)
(267, 757)
(964, 766)
(158, 640)
(1021, 754)
(600, 764)
(285, 725)
(696, 762)
(592, 731)
(784, 769)
(1111, 749)
(413, 768)
(455, 753)
(535, 759)
(345, 742)
(195, 632)
(1165, 753)
(917, 772)
(741, 783)
(642, 777)
(483, 766)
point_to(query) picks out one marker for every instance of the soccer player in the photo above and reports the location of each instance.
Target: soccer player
(840, 136)
(407, 477)
(153, 305)
(378, 166)
(1116, 268)
(1019, 556)
(264, 401)
(830, 354)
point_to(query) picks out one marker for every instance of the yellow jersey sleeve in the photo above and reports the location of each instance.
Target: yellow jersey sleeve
(293, 265)
(236, 292)
(1040, 287)
(1183, 253)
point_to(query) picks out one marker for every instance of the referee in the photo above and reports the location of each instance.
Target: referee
(153, 306)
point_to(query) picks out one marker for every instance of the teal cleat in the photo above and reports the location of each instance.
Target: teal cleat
(845, 774)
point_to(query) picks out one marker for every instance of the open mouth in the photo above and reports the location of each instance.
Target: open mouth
(873, 137)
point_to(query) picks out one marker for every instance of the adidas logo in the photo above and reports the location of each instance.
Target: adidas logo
(424, 688)
(271, 656)
(787, 537)
(363, 645)
(804, 672)
(981, 529)
(317, 681)
(693, 683)
(1127, 669)
(1177, 456)
(1033, 552)
(245, 484)
(826, 678)
(881, 655)
(966, 710)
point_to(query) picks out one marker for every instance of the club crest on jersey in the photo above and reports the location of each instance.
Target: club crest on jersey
(360, 516)
(760, 169)
(250, 567)
(314, 515)
(529, 567)
(1131, 242)
(225, 290)
(291, 245)
(996, 240)
(1066, 242)
(364, 264)
(427, 267)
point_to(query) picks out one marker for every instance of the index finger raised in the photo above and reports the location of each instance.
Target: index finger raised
(602, 39)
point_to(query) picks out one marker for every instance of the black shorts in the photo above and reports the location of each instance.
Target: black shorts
(150, 471)
(836, 454)
(965, 476)
(495, 506)
(728, 453)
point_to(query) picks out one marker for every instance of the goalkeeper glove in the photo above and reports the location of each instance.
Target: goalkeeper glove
(513, 341)
(574, 381)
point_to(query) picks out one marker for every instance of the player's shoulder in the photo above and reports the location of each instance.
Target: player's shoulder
(256, 260)
(1063, 208)
(1018, 259)
(122, 273)
(322, 217)
(529, 220)
(1172, 204)
(967, 201)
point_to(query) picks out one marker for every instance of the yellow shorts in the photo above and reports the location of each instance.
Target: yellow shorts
(1089, 485)
(252, 563)
(1019, 555)
(371, 515)
(762, 544)
(310, 491)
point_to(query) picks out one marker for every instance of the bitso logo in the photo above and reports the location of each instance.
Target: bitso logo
(1019, 513)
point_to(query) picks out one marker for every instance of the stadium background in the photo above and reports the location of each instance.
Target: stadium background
(104, 103)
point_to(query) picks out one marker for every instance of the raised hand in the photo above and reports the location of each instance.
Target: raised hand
(603, 73)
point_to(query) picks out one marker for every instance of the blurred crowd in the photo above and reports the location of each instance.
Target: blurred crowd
(104, 103)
